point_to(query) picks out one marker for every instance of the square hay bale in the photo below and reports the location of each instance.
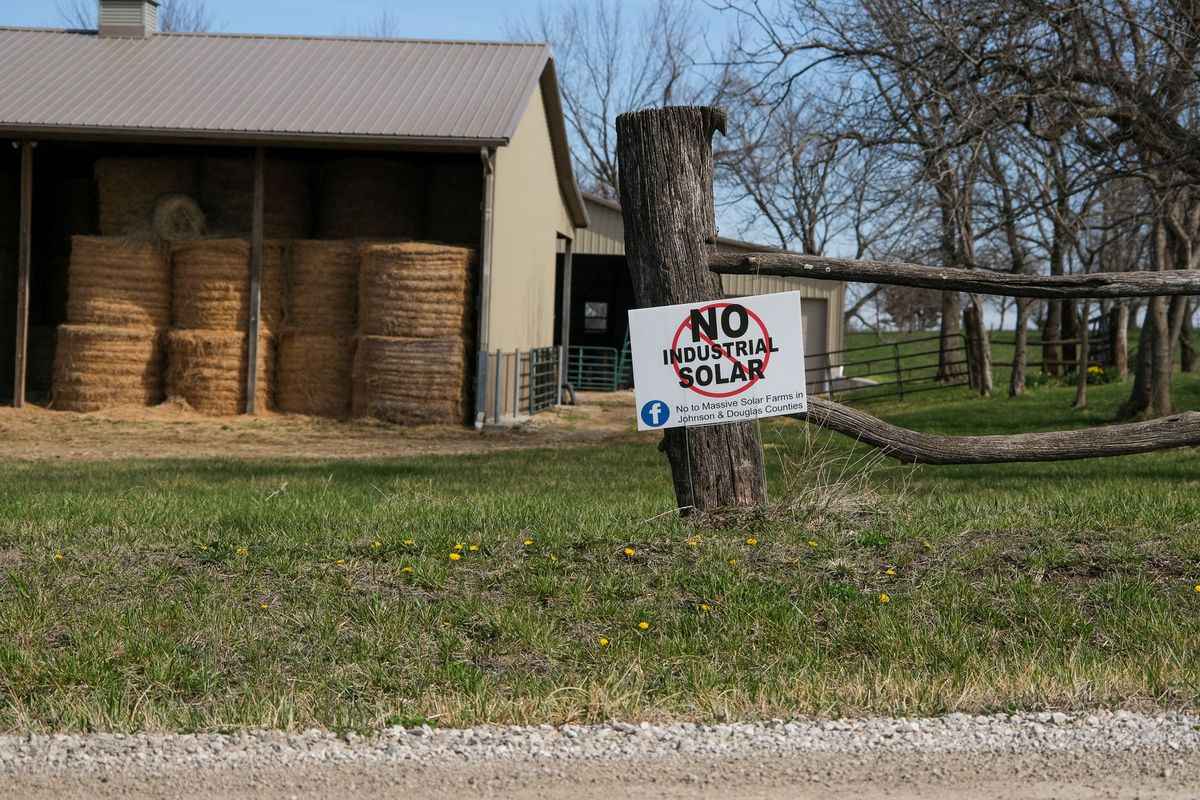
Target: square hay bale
(118, 282)
(207, 370)
(128, 188)
(370, 198)
(410, 381)
(212, 284)
(314, 371)
(101, 366)
(227, 195)
(322, 285)
(415, 290)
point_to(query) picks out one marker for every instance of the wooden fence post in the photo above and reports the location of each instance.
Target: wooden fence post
(666, 180)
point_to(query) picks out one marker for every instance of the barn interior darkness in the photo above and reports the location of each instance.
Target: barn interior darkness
(66, 203)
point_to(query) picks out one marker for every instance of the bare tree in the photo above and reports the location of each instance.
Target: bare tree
(173, 15)
(611, 61)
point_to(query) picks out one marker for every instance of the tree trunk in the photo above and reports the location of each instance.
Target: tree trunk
(1162, 360)
(1139, 395)
(666, 180)
(1069, 330)
(979, 347)
(1016, 383)
(1051, 332)
(950, 354)
(1187, 341)
(1081, 368)
(1119, 328)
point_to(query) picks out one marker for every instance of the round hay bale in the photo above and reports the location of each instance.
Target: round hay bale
(177, 217)
(322, 285)
(118, 282)
(313, 372)
(207, 370)
(414, 290)
(212, 284)
(100, 366)
(128, 188)
(410, 381)
(370, 198)
(455, 195)
(227, 193)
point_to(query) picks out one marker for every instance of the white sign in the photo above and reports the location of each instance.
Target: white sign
(717, 362)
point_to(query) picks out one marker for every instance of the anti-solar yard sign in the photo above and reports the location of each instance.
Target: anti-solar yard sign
(717, 362)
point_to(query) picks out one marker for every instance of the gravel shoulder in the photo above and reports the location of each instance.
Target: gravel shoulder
(1117, 755)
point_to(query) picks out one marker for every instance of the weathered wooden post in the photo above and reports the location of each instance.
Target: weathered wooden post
(666, 176)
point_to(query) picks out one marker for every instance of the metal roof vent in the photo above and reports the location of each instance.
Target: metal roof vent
(134, 18)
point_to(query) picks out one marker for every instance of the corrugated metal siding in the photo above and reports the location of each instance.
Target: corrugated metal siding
(206, 83)
(605, 233)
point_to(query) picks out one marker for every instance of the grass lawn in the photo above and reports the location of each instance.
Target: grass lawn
(214, 595)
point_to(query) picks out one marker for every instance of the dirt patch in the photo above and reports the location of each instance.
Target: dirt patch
(173, 431)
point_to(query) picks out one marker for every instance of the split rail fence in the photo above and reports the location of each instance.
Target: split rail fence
(665, 155)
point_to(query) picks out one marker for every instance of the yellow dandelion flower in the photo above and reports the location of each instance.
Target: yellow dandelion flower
(241, 551)
(554, 558)
(528, 542)
(692, 543)
(58, 556)
(264, 606)
(204, 548)
(447, 624)
(733, 561)
(408, 542)
(340, 561)
(890, 572)
(752, 541)
(377, 544)
(629, 551)
(705, 607)
(407, 569)
(603, 642)
(459, 546)
(473, 548)
(1198, 587)
(884, 598)
(455, 556)
(927, 545)
(811, 543)
(644, 626)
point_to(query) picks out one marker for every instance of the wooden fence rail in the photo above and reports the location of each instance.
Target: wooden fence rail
(1055, 287)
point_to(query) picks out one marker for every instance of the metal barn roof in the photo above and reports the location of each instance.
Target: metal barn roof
(274, 85)
(284, 89)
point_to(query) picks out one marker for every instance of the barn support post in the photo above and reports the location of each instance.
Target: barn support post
(564, 353)
(24, 257)
(483, 293)
(256, 256)
(666, 180)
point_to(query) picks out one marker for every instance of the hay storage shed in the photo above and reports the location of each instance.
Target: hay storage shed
(601, 294)
(309, 147)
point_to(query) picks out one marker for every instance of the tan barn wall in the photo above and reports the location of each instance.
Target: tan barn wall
(528, 212)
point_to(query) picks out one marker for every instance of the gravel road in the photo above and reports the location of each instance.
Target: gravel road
(1042, 755)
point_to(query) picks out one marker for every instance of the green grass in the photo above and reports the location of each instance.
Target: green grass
(1015, 586)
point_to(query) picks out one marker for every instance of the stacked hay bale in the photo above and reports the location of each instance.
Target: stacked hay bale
(129, 187)
(207, 348)
(227, 194)
(370, 198)
(410, 364)
(110, 352)
(316, 346)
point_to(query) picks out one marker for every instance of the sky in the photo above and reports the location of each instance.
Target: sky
(422, 19)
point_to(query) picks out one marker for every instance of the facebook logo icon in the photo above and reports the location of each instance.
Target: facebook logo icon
(655, 414)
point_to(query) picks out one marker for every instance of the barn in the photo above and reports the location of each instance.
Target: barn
(594, 321)
(332, 226)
